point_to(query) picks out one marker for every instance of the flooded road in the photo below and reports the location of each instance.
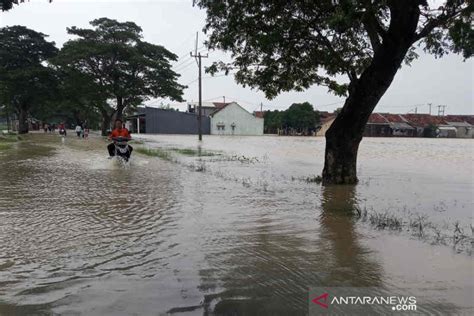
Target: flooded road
(240, 230)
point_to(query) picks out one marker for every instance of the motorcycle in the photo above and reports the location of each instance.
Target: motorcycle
(122, 149)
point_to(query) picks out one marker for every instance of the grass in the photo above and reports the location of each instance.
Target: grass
(4, 146)
(419, 226)
(193, 152)
(155, 152)
(314, 179)
(7, 139)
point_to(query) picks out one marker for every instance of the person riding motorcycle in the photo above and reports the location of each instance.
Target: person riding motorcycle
(119, 131)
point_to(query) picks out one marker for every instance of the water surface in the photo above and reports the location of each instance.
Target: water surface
(239, 232)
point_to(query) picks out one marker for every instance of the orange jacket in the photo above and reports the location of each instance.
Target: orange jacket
(120, 133)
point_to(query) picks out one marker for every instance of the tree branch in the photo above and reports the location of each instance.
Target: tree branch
(440, 20)
(374, 29)
(350, 71)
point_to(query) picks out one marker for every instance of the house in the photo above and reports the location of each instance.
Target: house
(399, 125)
(326, 121)
(462, 123)
(377, 126)
(151, 120)
(446, 131)
(232, 119)
(425, 124)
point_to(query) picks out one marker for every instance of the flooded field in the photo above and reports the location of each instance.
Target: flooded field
(232, 226)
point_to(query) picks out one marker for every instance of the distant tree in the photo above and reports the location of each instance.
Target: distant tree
(79, 99)
(290, 45)
(6, 5)
(273, 121)
(128, 69)
(26, 81)
(301, 117)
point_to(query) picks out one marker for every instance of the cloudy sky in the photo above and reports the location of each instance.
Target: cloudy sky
(174, 23)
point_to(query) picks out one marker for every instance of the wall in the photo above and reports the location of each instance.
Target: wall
(159, 121)
(245, 123)
(324, 127)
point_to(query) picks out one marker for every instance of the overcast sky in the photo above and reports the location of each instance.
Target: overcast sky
(174, 23)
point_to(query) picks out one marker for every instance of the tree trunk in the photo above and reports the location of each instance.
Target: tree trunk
(23, 120)
(344, 135)
(120, 107)
(105, 125)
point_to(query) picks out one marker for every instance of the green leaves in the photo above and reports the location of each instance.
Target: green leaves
(127, 68)
(280, 46)
(25, 79)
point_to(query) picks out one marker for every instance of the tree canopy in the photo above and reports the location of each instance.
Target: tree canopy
(6, 5)
(25, 79)
(127, 68)
(290, 45)
(299, 118)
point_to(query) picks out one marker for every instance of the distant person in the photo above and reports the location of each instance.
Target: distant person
(62, 129)
(86, 132)
(78, 130)
(119, 131)
(45, 127)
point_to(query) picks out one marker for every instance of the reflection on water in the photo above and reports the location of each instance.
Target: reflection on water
(351, 263)
(79, 234)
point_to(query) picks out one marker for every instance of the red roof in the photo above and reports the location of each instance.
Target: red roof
(220, 105)
(423, 120)
(259, 114)
(460, 118)
(377, 118)
(393, 118)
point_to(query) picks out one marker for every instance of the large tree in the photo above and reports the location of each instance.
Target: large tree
(6, 5)
(26, 81)
(301, 117)
(290, 45)
(127, 68)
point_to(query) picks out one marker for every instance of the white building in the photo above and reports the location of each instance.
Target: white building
(232, 119)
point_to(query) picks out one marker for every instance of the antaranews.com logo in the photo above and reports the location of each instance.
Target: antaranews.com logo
(354, 301)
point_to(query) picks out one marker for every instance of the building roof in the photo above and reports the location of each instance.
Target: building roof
(227, 104)
(259, 114)
(460, 118)
(423, 120)
(400, 125)
(458, 124)
(377, 118)
(328, 118)
(220, 105)
(394, 118)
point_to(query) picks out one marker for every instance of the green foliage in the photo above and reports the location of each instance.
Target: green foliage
(26, 82)
(273, 121)
(300, 117)
(290, 45)
(6, 5)
(126, 68)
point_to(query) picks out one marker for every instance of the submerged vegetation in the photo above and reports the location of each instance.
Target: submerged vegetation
(7, 140)
(419, 226)
(193, 152)
(155, 152)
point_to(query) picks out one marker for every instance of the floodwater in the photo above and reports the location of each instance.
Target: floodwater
(236, 231)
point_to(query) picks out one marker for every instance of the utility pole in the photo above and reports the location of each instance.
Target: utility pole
(429, 104)
(261, 107)
(224, 98)
(441, 110)
(198, 57)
